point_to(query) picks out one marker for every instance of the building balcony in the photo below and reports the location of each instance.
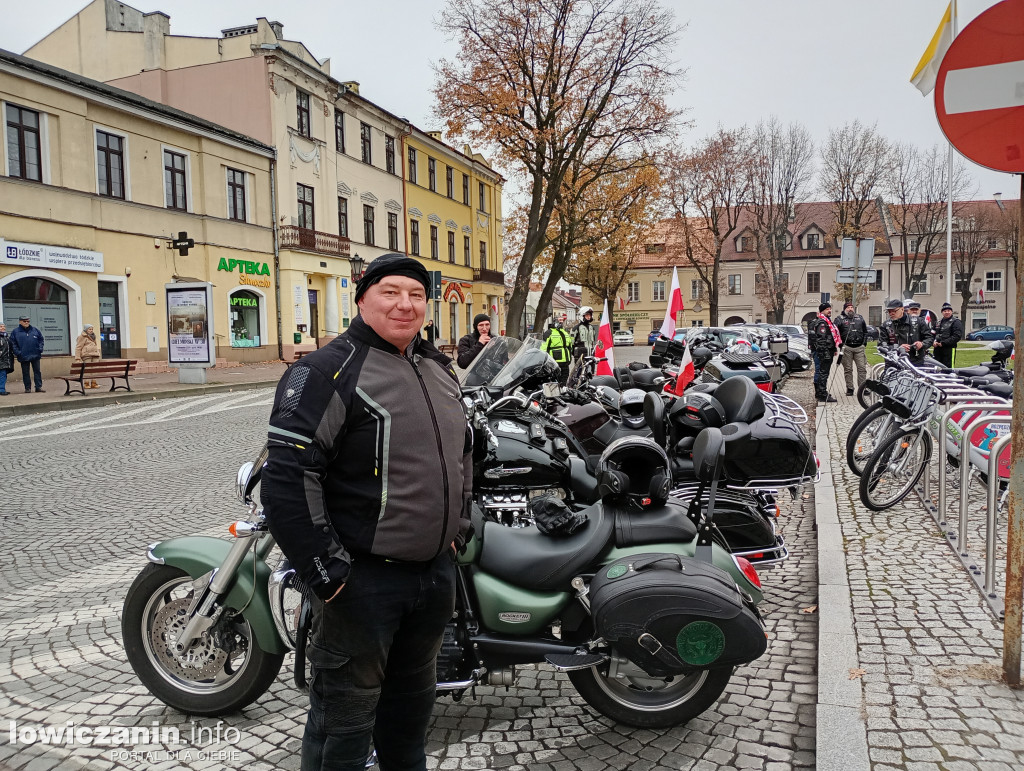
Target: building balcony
(314, 241)
(489, 276)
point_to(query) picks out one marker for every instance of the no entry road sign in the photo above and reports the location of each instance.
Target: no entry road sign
(979, 92)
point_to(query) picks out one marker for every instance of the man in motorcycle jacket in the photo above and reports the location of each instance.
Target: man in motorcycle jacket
(909, 332)
(948, 333)
(367, 492)
(824, 340)
(584, 337)
(470, 345)
(853, 331)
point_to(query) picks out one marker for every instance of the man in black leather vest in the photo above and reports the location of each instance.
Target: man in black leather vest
(854, 332)
(949, 332)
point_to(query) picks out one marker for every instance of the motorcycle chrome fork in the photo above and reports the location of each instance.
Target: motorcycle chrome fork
(205, 611)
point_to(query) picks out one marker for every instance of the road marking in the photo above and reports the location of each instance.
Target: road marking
(990, 87)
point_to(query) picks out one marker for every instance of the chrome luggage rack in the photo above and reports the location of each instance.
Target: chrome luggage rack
(782, 408)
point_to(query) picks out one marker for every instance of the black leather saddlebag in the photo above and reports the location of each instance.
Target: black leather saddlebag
(670, 614)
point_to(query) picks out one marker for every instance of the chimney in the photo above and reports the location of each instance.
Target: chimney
(435, 135)
(351, 85)
(278, 28)
(998, 198)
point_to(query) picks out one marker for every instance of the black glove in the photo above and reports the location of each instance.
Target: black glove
(554, 518)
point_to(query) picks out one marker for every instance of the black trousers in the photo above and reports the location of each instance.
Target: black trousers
(822, 367)
(944, 354)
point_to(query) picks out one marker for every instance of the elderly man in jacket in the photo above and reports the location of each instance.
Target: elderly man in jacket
(28, 344)
(367, 490)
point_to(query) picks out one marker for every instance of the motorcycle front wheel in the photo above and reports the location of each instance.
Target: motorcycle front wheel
(222, 673)
(633, 697)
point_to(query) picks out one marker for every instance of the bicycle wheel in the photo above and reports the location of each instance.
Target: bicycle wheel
(866, 396)
(865, 435)
(894, 468)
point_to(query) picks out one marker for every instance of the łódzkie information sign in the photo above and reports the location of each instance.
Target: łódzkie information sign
(190, 324)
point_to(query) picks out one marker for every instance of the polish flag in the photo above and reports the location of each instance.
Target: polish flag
(675, 304)
(686, 372)
(605, 343)
(981, 295)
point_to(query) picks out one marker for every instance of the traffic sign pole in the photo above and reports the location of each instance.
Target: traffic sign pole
(1013, 601)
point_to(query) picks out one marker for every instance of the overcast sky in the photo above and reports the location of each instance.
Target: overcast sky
(819, 62)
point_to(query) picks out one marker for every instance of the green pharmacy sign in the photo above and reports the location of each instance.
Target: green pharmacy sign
(244, 266)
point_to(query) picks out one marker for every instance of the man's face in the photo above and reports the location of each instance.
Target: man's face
(827, 312)
(849, 311)
(895, 313)
(915, 311)
(24, 322)
(588, 316)
(395, 308)
(947, 313)
(3, 327)
(484, 327)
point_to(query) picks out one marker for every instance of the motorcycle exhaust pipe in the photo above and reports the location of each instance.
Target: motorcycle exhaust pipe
(461, 685)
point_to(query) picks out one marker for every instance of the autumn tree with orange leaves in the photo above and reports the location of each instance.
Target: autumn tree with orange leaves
(549, 85)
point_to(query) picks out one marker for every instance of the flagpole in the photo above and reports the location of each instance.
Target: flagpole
(949, 202)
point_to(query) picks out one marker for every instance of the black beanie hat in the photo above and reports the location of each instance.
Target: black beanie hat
(823, 306)
(392, 264)
(477, 319)
(847, 304)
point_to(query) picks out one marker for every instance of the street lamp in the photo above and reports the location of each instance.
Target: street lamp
(356, 266)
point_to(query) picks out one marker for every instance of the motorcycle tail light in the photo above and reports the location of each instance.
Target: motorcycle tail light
(748, 571)
(776, 511)
(765, 387)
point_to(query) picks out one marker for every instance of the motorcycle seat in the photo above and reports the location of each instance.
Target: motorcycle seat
(654, 525)
(741, 400)
(972, 371)
(527, 558)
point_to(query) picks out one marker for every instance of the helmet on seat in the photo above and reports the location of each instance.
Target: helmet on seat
(634, 469)
(631, 408)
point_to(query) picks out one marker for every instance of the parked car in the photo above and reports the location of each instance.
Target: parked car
(991, 332)
(622, 337)
(651, 338)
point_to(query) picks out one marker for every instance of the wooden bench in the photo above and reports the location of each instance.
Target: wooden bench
(115, 369)
(448, 350)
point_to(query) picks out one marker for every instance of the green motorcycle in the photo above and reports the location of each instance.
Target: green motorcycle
(208, 622)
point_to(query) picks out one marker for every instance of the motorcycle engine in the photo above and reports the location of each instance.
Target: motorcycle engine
(449, 658)
(509, 507)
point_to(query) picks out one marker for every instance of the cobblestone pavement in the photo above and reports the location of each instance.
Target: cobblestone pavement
(86, 491)
(929, 649)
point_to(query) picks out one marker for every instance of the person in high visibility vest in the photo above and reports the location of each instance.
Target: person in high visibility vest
(559, 345)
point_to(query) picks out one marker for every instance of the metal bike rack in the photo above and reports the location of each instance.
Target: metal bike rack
(965, 466)
(962, 406)
(995, 450)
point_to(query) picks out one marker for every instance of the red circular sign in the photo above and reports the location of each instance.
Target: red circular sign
(979, 92)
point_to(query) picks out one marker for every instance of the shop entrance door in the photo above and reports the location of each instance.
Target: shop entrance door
(110, 320)
(314, 318)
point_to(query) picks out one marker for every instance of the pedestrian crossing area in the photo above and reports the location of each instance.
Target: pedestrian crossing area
(111, 416)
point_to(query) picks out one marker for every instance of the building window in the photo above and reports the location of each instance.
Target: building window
(339, 131)
(695, 289)
(174, 180)
(633, 291)
(305, 196)
(245, 319)
(368, 224)
(746, 244)
(735, 283)
(414, 237)
(433, 243)
(979, 320)
(451, 247)
(919, 285)
(876, 285)
(302, 112)
(482, 191)
(392, 231)
(450, 181)
(814, 282)
(994, 281)
(110, 164)
(342, 217)
(467, 249)
(657, 291)
(654, 248)
(42, 300)
(912, 246)
(389, 154)
(432, 174)
(993, 243)
(236, 195)
(961, 282)
(24, 152)
(364, 142)
(483, 255)
(465, 189)
(813, 240)
(875, 315)
(412, 165)
(782, 242)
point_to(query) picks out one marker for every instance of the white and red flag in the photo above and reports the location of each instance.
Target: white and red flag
(604, 344)
(675, 304)
(686, 372)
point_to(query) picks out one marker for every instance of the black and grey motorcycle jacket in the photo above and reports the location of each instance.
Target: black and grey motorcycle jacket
(853, 330)
(908, 330)
(369, 453)
(949, 332)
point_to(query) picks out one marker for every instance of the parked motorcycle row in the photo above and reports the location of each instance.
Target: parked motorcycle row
(615, 539)
(890, 444)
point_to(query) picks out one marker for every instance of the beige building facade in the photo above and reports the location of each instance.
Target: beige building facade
(96, 183)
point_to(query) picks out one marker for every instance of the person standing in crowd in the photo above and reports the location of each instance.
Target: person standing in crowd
(909, 332)
(853, 331)
(926, 318)
(558, 345)
(28, 343)
(87, 350)
(6, 359)
(949, 332)
(584, 338)
(367, 490)
(430, 332)
(825, 342)
(470, 345)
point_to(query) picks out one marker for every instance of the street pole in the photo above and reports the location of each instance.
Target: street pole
(856, 277)
(1014, 598)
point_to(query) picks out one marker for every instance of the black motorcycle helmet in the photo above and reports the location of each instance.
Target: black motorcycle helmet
(636, 470)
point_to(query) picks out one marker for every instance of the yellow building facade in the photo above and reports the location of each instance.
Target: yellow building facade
(96, 183)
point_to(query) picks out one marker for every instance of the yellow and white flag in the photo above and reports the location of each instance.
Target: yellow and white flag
(928, 68)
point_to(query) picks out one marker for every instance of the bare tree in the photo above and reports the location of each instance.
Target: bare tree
(972, 230)
(541, 81)
(1006, 229)
(706, 186)
(855, 161)
(781, 169)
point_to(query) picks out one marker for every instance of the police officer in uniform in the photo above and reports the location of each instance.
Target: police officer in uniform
(911, 333)
(853, 331)
(949, 332)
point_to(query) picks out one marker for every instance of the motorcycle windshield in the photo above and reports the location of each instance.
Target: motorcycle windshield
(503, 363)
